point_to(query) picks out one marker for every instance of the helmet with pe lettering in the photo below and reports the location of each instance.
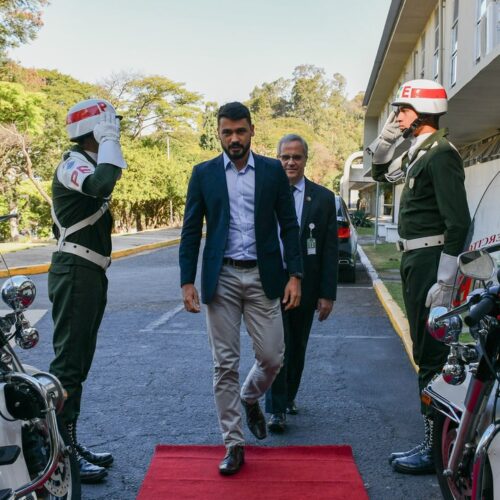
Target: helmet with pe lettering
(85, 115)
(426, 97)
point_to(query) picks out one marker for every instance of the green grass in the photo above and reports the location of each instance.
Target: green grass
(366, 231)
(386, 260)
(384, 256)
(396, 291)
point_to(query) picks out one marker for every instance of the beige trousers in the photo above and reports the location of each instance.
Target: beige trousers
(239, 293)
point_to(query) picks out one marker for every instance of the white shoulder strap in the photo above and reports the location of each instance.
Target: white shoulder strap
(88, 221)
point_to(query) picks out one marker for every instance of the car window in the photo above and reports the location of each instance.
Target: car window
(339, 207)
(346, 212)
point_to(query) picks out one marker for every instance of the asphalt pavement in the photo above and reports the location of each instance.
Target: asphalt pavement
(36, 260)
(151, 378)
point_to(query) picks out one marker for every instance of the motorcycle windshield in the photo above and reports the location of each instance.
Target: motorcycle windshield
(484, 234)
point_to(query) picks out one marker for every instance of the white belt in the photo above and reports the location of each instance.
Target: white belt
(416, 243)
(86, 253)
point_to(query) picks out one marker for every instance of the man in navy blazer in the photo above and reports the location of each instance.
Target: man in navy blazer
(317, 213)
(242, 197)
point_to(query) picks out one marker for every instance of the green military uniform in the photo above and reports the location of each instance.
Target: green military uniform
(433, 202)
(77, 285)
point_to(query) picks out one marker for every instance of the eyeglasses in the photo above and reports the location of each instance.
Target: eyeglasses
(291, 157)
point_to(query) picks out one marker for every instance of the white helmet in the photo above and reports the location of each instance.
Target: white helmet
(85, 115)
(424, 96)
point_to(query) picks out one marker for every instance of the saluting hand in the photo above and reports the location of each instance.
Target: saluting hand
(324, 308)
(291, 297)
(190, 298)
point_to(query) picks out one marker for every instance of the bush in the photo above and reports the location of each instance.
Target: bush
(360, 219)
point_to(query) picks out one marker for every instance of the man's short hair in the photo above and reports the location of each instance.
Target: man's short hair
(234, 111)
(292, 138)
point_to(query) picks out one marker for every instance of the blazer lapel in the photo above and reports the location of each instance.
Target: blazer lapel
(308, 197)
(220, 181)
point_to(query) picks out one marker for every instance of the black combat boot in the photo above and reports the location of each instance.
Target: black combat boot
(420, 462)
(89, 473)
(412, 451)
(100, 459)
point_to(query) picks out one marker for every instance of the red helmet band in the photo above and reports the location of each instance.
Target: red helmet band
(81, 114)
(411, 92)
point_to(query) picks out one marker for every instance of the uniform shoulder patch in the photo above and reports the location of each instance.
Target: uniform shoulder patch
(72, 172)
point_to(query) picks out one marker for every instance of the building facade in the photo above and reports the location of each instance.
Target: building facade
(457, 44)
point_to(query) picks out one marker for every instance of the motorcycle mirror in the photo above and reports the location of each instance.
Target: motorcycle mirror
(477, 264)
(443, 330)
(18, 292)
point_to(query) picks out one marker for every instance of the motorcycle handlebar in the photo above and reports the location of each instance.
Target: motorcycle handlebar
(481, 309)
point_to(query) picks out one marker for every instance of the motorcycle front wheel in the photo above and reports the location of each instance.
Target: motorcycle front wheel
(64, 484)
(460, 487)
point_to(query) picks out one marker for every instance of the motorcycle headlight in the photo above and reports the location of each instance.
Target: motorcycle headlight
(18, 292)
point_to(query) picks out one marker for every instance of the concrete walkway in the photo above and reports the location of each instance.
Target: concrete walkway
(36, 260)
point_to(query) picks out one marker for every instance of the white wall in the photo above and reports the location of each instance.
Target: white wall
(477, 178)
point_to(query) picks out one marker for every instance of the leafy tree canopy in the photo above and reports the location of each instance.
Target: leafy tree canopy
(21, 108)
(20, 21)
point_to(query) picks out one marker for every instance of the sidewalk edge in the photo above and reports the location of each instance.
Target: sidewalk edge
(394, 312)
(117, 254)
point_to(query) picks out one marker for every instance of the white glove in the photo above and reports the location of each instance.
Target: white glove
(107, 134)
(108, 128)
(384, 145)
(440, 293)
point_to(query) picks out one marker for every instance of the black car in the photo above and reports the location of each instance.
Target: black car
(348, 243)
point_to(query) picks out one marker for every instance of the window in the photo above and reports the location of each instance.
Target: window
(454, 44)
(422, 58)
(415, 64)
(435, 65)
(480, 47)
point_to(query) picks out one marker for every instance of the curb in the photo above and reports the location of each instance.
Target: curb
(396, 315)
(118, 254)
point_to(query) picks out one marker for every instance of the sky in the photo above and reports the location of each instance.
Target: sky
(221, 49)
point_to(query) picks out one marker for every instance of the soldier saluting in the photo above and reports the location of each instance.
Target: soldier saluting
(81, 189)
(433, 223)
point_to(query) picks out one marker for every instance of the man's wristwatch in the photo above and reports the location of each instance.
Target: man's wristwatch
(296, 275)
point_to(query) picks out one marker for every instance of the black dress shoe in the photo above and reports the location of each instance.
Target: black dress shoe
(418, 463)
(291, 408)
(100, 459)
(90, 473)
(277, 423)
(255, 419)
(232, 462)
(402, 454)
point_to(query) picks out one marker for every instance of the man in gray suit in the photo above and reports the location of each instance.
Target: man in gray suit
(241, 195)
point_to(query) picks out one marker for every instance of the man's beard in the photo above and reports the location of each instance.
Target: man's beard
(236, 156)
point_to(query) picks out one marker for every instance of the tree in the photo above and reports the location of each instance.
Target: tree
(310, 93)
(20, 21)
(271, 100)
(209, 139)
(20, 118)
(154, 104)
(19, 107)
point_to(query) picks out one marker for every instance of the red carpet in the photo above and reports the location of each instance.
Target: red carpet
(295, 472)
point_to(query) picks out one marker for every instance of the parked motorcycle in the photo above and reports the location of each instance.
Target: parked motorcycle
(36, 460)
(466, 430)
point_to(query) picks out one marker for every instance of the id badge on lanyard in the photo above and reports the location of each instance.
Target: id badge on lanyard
(311, 242)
